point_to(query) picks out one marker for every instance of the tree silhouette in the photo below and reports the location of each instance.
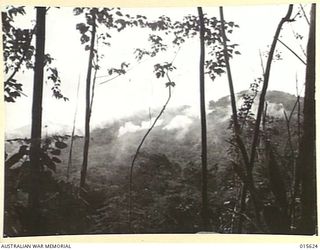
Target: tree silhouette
(18, 53)
(109, 18)
(91, 19)
(35, 148)
(306, 161)
(189, 28)
(204, 208)
(17, 50)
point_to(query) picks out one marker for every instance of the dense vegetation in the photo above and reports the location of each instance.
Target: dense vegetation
(167, 179)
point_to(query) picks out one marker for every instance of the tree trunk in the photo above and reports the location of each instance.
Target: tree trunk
(88, 111)
(73, 132)
(35, 148)
(307, 164)
(265, 86)
(248, 184)
(204, 208)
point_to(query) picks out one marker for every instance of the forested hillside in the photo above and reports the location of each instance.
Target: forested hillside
(167, 179)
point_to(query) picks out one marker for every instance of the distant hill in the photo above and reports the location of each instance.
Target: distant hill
(167, 172)
(277, 101)
(48, 128)
(177, 135)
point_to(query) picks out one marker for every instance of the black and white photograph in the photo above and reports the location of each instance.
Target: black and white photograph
(159, 120)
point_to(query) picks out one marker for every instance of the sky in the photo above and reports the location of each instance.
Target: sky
(139, 90)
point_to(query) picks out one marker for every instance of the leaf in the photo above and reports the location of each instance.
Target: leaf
(23, 149)
(84, 38)
(77, 11)
(54, 71)
(55, 159)
(15, 94)
(18, 86)
(46, 160)
(61, 145)
(8, 99)
(122, 24)
(218, 71)
(15, 11)
(82, 28)
(170, 84)
(56, 152)
(47, 59)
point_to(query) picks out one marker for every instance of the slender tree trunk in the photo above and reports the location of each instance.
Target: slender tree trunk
(297, 176)
(72, 133)
(204, 208)
(307, 164)
(88, 111)
(35, 148)
(250, 162)
(265, 86)
(249, 184)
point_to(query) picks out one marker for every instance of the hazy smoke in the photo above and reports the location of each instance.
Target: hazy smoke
(276, 110)
(129, 127)
(181, 123)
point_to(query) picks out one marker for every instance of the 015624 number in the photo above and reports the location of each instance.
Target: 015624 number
(309, 246)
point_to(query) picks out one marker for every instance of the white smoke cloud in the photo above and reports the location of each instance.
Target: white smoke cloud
(276, 110)
(180, 123)
(192, 111)
(129, 127)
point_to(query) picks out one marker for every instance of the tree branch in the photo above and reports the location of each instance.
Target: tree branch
(27, 44)
(138, 151)
(265, 86)
(249, 179)
(73, 131)
(292, 52)
(304, 14)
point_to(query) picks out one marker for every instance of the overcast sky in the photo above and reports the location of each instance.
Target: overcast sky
(139, 90)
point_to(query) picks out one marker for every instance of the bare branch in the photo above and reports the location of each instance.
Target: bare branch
(304, 14)
(292, 52)
(265, 86)
(73, 131)
(261, 61)
(138, 151)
